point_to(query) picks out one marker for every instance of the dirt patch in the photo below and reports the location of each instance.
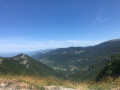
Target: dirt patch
(12, 85)
(57, 88)
(17, 84)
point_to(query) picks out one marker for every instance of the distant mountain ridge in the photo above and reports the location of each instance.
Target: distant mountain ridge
(78, 54)
(40, 51)
(76, 59)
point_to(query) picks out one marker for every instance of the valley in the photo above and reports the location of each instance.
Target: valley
(70, 68)
(59, 44)
(87, 61)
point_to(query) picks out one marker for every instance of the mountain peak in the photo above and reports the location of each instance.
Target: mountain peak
(22, 55)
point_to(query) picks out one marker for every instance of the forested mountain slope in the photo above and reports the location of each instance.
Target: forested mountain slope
(112, 69)
(77, 58)
(22, 64)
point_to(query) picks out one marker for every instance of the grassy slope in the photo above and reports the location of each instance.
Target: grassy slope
(39, 82)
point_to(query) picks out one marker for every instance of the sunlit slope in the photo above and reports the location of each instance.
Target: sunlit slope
(23, 64)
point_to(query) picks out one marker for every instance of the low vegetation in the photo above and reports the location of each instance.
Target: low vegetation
(42, 82)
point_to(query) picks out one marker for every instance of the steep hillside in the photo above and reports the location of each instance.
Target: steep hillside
(88, 74)
(112, 69)
(24, 65)
(61, 58)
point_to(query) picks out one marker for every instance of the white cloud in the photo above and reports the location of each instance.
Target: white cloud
(100, 19)
(83, 42)
(55, 42)
(74, 41)
(15, 45)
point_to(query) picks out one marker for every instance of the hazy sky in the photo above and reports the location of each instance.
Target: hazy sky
(28, 25)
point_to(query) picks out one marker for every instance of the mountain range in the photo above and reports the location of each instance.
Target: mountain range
(76, 61)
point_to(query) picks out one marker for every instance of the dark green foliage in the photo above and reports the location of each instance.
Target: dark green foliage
(65, 57)
(80, 57)
(11, 67)
(31, 67)
(88, 74)
(112, 69)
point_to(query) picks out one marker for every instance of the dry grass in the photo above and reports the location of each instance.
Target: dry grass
(105, 85)
(41, 82)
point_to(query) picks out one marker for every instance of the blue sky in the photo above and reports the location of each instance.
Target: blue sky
(28, 25)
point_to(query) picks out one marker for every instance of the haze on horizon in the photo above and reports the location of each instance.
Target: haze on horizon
(30, 25)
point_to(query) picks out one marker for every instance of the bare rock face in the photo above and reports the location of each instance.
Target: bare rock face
(24, 62)
(24, 58)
